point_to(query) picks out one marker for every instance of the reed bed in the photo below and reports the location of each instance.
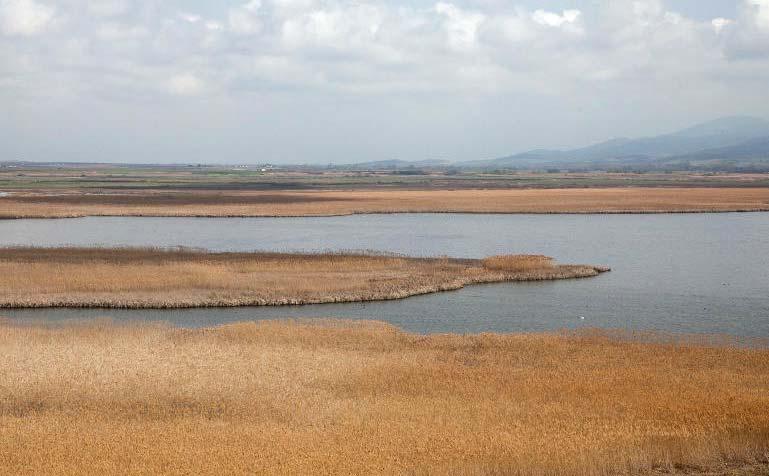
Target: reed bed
(177, 278)
(518, 263)
(334, 397)
(39, 204)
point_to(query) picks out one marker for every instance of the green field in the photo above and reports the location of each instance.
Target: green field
(27, 177)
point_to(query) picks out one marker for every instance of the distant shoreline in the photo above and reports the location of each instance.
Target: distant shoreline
(327, 203)
(448, 212)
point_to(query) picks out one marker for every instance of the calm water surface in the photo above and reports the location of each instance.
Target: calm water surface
(682, 273)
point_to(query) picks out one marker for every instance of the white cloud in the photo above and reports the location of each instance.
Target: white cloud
(647, 8)
(513, 29)
(107, 8)
(185, 84)
(354, 30)
(748, 35)
(720, 23)
(442, 58)
(555, 20)
(461, 25)
(760, 12)
(245, 18)
(378, 46)
(189, 17)
(115, 31)
(24, 17)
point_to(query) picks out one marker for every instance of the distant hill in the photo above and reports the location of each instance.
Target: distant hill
(727, 143)
(395, 164)
(743, 133)
(751, 154)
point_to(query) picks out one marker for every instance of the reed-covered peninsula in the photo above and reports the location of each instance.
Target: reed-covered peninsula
(366, 398)
(180, 278)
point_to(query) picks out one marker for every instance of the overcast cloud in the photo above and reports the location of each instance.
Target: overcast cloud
(344, 81)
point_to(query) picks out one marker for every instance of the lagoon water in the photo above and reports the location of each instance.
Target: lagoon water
(700, 273)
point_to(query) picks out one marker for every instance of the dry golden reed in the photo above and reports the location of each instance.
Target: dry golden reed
(136, 277)
(37, 204)
(517, 263)
(332, 397)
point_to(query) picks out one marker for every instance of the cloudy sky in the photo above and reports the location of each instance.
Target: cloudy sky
(316, 81)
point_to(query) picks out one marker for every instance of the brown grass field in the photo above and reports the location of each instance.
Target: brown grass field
(62, 204)
(332, 397)
(157, 278)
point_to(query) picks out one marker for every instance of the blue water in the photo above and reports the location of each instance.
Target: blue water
(682, 272)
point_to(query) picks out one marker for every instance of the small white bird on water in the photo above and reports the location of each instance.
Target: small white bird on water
(582, 318)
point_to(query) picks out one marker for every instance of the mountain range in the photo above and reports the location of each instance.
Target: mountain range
(728, 139)
(728, 143)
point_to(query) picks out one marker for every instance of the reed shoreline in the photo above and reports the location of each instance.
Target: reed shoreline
(138, 278)
(358, 397)
(320, 203)
(444, 212)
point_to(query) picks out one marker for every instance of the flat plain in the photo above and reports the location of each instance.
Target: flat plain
(327, 397)
(93, 190)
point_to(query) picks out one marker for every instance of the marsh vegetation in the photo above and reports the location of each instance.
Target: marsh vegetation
(177, 278)
(362, 398)
(240, 203)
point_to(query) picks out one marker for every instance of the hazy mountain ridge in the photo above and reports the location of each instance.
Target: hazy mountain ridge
(715, 137)
(751, 150)
(729, 144)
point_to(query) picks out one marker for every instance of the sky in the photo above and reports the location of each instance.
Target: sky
(342, 81)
